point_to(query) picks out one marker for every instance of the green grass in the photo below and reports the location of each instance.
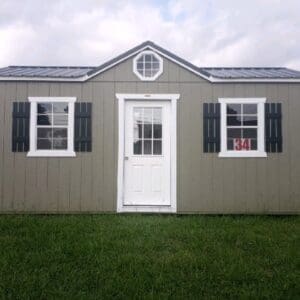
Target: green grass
(149, 257)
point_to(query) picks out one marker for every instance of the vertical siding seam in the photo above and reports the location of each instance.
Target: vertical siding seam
(58, 200)
(14, 156)
(290, 197)
(91, 86)
(80, 193)
(103, 157)
(2, 150)
(277, 157)
(25, 164)
(114, 147)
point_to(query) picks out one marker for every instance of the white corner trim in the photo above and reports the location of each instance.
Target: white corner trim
(260, 152)
(122, 98)
(33, 152)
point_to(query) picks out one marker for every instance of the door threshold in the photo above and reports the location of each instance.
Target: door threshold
(147, 208)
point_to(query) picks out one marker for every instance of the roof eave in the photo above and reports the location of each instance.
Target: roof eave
(254, 80)
(59, 79)
(210, 79)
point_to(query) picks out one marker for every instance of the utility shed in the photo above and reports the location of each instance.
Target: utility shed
(149, 132)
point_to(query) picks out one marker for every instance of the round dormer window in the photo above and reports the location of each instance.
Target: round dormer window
(147, 65)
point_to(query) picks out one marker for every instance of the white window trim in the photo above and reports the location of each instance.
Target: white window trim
(260, 152)
(33, 152)
(122, 98)
(135, 71)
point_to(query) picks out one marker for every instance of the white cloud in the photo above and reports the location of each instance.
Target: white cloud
(207, 33)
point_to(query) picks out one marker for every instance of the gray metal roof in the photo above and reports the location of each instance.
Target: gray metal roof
(249, 73)
(84, 73)
(44, 71)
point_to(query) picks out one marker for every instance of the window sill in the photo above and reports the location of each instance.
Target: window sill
(46, 153)
(242, 154)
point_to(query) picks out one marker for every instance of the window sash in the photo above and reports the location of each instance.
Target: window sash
(69, 151)
(260, 152)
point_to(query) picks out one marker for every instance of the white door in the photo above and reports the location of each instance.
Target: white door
(147, 153)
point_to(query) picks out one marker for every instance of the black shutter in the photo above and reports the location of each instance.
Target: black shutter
(20, 126)
(83, 127)
(211, 127)
(273, 127)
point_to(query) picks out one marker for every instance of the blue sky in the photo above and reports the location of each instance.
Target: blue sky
(207, 33)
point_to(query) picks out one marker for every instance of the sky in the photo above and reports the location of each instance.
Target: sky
(211, 33)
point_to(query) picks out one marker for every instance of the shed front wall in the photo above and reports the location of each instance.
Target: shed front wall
(205, 183)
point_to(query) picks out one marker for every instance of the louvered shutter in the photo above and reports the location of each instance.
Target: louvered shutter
(273, 127)
(20, 126)
(211, 127)
(83, 127)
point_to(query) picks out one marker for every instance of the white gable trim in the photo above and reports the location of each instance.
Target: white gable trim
(154, 50)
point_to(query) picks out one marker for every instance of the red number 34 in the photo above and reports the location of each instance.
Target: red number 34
(242, 144)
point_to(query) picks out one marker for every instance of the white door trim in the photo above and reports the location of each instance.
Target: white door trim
(120, 195)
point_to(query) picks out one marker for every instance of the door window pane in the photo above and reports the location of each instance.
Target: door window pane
(147, 147)
(138, 123)
(137, 147)
(148, 115)
(147, 131)
(157, 149)
(157, 128)
(157, 123)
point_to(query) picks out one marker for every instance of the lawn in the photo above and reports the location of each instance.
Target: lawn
(152, 257)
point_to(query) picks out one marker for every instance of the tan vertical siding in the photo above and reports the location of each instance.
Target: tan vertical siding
(294, 100)
(8, 157)
(205, 182)
(3, 138)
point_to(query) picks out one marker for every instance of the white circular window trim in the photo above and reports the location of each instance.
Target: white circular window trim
(140, 76)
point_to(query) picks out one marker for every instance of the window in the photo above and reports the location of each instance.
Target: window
(242, 127)
(51, 126)
(147, 65)
(147, 131)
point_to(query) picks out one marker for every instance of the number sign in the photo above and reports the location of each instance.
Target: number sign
(241, 144)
